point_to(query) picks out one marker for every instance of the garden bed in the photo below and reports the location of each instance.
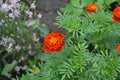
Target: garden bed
(59, 40)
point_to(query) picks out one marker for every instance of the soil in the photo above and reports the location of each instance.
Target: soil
(48, 9)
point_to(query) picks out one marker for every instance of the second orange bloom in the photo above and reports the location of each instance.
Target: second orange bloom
(116, 14)
(91, 8)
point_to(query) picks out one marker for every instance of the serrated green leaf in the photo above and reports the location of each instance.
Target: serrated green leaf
(75, 3)
(86, 2)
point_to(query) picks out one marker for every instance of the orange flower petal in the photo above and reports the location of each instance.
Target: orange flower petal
(91, 8)
(116, 14)
(116, 19)
(118, 48)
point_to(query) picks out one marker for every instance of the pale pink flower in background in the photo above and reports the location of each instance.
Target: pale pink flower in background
(24, 67)
(13, 7)
(5, 40)
(10, 45)
(29, 13)
(9, 48)
(10, 7)
(13, 1)
(7, 43)
(17, 68)
(16, 13)
(32, 6)
(39, 16)
(35, 37)
(29, 23)
(11, 15)
(17, 48)
(4, 7)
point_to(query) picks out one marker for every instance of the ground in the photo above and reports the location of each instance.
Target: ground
(48, 9)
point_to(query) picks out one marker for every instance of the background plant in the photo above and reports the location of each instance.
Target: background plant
(21, 34)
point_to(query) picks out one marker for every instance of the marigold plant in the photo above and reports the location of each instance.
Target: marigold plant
(53, 42)
(116, 14)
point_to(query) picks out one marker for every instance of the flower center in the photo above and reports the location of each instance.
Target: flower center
(93, 7)
(35, 69)
(53, 40)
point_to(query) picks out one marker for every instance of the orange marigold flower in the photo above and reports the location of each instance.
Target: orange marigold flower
(116, 14)
(54, 42)
(91, 8)
(118, 48)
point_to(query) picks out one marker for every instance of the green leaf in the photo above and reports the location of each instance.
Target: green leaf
(44, 30)
(70, 8)
(75, 3)
(7, 68)
(108, 2)
(1, 50)
(86, 2)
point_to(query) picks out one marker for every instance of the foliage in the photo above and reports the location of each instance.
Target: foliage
(90, 45)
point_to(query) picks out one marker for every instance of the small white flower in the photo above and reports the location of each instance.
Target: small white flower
(24, 67)
(29, 23)
(39, 16)
(9, 49)
(13, 1)
(17, 48)
(10, 45)
(35, 37)
(33, 6)
(11, 15)
(4, 8)
(16, 13)
(29, 13)
(17, 68)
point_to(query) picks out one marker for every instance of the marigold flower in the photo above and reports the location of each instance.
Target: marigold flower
(118, 48)
(91, 8)
(116, 14)
(35, 69)
(54, 42)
